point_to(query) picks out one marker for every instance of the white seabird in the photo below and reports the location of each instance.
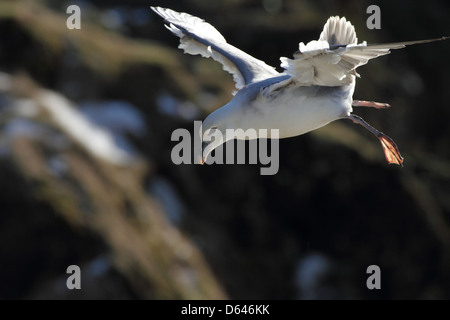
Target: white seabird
(316, 87)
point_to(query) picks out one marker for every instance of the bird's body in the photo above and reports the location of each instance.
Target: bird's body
(292, 109)
(315, 89)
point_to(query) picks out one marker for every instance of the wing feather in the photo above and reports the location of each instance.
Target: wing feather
(199, 37)
(333, 59)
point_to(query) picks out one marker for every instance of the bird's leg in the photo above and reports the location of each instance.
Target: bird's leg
(372, 104)
(389, 147)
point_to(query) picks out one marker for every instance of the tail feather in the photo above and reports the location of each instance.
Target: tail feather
(338, 31)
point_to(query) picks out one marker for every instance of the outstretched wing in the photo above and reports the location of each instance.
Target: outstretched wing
(332, 60)
(199, 37)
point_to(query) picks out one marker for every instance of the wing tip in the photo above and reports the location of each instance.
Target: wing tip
(157, 9)
(165, 13)
(160, 12)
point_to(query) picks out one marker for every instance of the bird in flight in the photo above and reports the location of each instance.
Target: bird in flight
(315, 88)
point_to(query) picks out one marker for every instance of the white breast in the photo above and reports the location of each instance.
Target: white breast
(294, 110)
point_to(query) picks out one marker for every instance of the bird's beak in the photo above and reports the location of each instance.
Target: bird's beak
(200, 160)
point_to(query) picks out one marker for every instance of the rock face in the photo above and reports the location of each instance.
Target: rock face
(97, 197)
(86, 176)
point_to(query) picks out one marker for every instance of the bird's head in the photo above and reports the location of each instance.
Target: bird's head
(212, 134)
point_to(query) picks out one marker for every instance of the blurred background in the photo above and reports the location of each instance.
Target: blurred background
(86, 177)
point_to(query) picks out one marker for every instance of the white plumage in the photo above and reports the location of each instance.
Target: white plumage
(316, 87)
(199, 37)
